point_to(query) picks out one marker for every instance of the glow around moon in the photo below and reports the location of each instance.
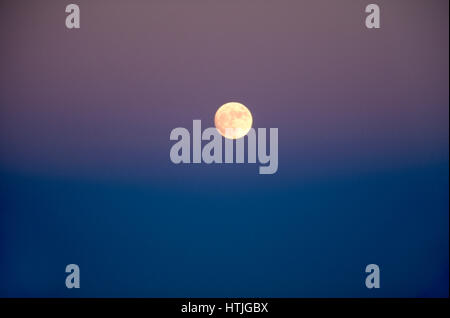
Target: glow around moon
(233, 120)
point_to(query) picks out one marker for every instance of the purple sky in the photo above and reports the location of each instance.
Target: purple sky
(103, 99)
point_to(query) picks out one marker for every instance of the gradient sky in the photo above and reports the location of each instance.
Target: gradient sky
(85, 174)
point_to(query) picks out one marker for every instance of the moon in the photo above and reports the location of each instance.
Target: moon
(233, 120)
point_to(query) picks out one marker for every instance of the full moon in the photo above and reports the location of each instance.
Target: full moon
(233, 120)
